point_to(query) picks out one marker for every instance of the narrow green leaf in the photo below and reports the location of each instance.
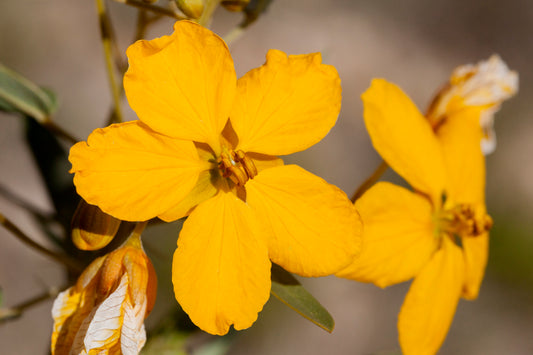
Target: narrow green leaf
(289, 291)
(18, 94)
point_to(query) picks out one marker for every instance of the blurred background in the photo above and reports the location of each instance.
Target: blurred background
(415, 44)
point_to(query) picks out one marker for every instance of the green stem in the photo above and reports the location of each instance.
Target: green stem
(207, 14)
(234, 34)
(61, 258)
(370, 181)
(106, 33)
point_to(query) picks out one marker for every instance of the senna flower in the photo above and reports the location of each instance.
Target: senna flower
(484, 85)
(438, 233)
(205, 147)
(105, 311)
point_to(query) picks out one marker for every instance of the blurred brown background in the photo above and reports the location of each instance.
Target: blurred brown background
(415, 44)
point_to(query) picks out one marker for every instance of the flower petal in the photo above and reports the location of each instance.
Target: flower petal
(476, 253)
(205, 188)
(102, 328)
(286, 105)
(132, 172)
(221, 271)
(182, 85)
(312, 227)
(63, 311)
(429, 307)
(460, 137)
(404, 138)
(398, 238)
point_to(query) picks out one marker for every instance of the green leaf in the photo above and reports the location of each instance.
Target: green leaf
(289, 291)
(18, 94)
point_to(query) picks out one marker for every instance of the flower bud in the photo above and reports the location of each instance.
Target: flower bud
(92, 229)
(191, 8)
(105, 310)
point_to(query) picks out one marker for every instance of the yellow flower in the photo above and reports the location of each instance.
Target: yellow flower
(437, 234)
(104, 312)
(205, 146)
(484, 85)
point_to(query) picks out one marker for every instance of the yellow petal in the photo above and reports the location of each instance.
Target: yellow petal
(429, 307)
(476, 252)
(102, 328)
(312, 227)
(132, 172)
(286, 105)
(404, 138)
(398, 237)
(182, 85)
(72, 306)
(221, 271)
(460, 136)
(205, 188)
(63, 310)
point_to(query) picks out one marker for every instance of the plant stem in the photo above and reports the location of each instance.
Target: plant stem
(234, 34)
(371, 180)
(207, 14)
(61, 258)
(106, 32)
(57, 130)
(153, 8)
(16, 311)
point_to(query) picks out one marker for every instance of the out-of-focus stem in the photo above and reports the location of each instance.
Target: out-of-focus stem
(16, 311)
(143, 22)
(59, 131)
(234, 34)
(371, 180)
(207, 14)
(61, 258)
(106, 33)
(152, 8)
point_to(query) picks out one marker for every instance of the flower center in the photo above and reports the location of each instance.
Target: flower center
(236, 166)
(463, 221)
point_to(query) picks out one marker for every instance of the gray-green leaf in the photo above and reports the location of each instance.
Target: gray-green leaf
(18, 94)
(289, 291)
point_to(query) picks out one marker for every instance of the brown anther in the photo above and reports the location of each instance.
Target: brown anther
(462, 221)
(247, 163)
(236, 166)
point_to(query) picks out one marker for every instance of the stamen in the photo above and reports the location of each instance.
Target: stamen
(462, 221)
(236, 166)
